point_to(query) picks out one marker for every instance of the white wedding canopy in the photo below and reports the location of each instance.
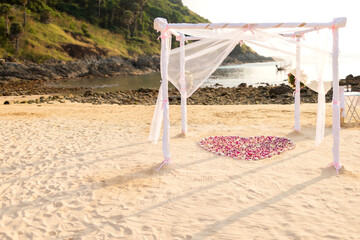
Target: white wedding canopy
(188, 66)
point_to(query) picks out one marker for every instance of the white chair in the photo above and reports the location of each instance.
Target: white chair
(352, 100)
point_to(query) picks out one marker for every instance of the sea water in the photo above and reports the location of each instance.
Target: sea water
(254, 74)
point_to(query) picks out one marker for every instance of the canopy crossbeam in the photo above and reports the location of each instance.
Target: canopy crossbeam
(337, 23)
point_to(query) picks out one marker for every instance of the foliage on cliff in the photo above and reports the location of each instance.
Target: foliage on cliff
(67, 29)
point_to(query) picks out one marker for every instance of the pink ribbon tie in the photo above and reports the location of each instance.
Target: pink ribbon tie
(163, 104)
(164, 33)
(333, 27)
(337, 166)
(335, 102)
(248, 28)
(166, 161)
(295, 92)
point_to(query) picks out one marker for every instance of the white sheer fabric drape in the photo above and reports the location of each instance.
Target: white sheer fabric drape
(297, 85)
(162, 105)
(183, 88)
(314, 70)
(203, 57)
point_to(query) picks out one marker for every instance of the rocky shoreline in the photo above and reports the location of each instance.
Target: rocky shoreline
(88, 67)
(216, 95)
(242, 94)
(97, 64)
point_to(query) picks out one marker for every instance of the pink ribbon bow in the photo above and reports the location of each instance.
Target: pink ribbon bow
(163, 104)
(337, 166)
(248, 28)
(164, 33)
(333, 27)
(183, 89)
(295, 92)
(166, 161)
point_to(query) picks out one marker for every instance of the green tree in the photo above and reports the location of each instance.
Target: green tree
(99, 7)
(45, 16)
(136, 11)
(16, 31)
(127, 18)
(5, 10)
(112, 7)
(24, 3)
(142, 3)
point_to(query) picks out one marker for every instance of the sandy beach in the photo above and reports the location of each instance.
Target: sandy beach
(79, 171)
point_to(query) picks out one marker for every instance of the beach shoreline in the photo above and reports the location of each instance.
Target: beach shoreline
(215, 95)
(84, 171)
(243, 94)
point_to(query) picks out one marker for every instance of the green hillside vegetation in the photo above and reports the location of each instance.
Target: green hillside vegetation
(68, 30)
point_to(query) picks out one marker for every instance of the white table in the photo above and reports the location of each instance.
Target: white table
(352, 99)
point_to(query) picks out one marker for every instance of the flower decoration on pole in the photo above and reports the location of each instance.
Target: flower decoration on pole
(291, 80)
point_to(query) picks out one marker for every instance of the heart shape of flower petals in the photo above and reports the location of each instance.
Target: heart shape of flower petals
(252, 148)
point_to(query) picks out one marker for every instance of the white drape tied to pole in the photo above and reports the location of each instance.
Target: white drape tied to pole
(320, 64)
(297, 86)
(201, 59)
(183, 89)
(165, 47)
(342, 101)
(157, 119)
(162, 105)
(320, 120)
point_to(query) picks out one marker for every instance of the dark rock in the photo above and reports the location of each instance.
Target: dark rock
(143, 61)
(83, 52)
(148, 62)
(87, 67)
(349, 77)
(88, 93)
(280, 90)
(174, 98)
(351, 81)
(144, 90)
(9, 59)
